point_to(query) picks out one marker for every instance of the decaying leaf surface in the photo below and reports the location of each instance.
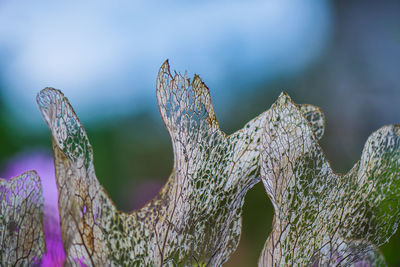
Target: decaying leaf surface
(322, 218)
(195, 219)
(21, 227)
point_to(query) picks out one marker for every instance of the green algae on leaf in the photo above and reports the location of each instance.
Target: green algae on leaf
(323, 218)
(21, 220)
(196, 217)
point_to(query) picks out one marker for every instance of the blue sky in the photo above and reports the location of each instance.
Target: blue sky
(105, 55)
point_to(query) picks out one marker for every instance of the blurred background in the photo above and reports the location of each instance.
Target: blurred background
(343, 56)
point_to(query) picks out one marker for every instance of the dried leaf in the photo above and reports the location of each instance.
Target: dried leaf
(323, 218)
(21, 227)
(195, 219)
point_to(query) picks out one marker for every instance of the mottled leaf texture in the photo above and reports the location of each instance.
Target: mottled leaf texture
(21, 227)
(323, 218)
(196, 217)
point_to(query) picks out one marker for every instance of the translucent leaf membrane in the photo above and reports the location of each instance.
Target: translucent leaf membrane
(21, 227)
(322, 218)
(315, 117)
(195, 219)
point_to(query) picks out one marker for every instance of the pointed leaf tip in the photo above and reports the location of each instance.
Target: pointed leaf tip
(165, 68)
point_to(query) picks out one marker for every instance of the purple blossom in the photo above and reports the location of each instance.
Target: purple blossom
(81, 261)
(145, 192)
(42, 162)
